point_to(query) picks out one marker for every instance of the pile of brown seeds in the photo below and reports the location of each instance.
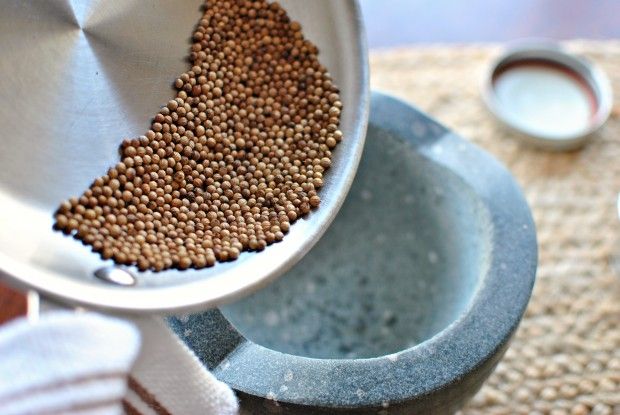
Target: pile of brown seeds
(230, 163)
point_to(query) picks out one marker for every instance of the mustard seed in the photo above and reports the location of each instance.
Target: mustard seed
(228, 164)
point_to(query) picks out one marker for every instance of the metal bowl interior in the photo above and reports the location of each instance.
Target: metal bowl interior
(80, 76)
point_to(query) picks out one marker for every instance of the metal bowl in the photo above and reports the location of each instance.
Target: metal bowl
(77, 77)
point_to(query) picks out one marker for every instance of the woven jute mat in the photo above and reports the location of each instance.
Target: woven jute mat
(565, 357)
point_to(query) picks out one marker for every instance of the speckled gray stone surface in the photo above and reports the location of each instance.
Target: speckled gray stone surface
(407, 302)
(400, 263)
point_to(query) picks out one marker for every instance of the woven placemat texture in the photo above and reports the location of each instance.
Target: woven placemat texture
(565, 357)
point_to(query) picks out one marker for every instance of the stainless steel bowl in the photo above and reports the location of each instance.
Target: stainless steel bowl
(77, 77)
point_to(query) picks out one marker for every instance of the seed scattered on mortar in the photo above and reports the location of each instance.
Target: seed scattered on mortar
(230, 163)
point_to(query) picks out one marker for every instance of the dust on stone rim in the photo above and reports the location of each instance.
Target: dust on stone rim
(230, 163)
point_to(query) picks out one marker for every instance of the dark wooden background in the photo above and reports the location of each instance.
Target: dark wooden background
(403, 22)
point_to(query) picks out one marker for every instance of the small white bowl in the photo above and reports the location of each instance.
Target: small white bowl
(555, 99)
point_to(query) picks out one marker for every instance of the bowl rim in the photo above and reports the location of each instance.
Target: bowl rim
(480, 334)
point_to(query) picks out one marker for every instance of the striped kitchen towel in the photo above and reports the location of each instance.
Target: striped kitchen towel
(89, 364)
(168, 379)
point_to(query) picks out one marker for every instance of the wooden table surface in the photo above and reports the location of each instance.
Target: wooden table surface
(12, 304)
(404, 22)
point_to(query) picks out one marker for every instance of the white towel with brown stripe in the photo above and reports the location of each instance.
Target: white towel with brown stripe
(89, 364)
